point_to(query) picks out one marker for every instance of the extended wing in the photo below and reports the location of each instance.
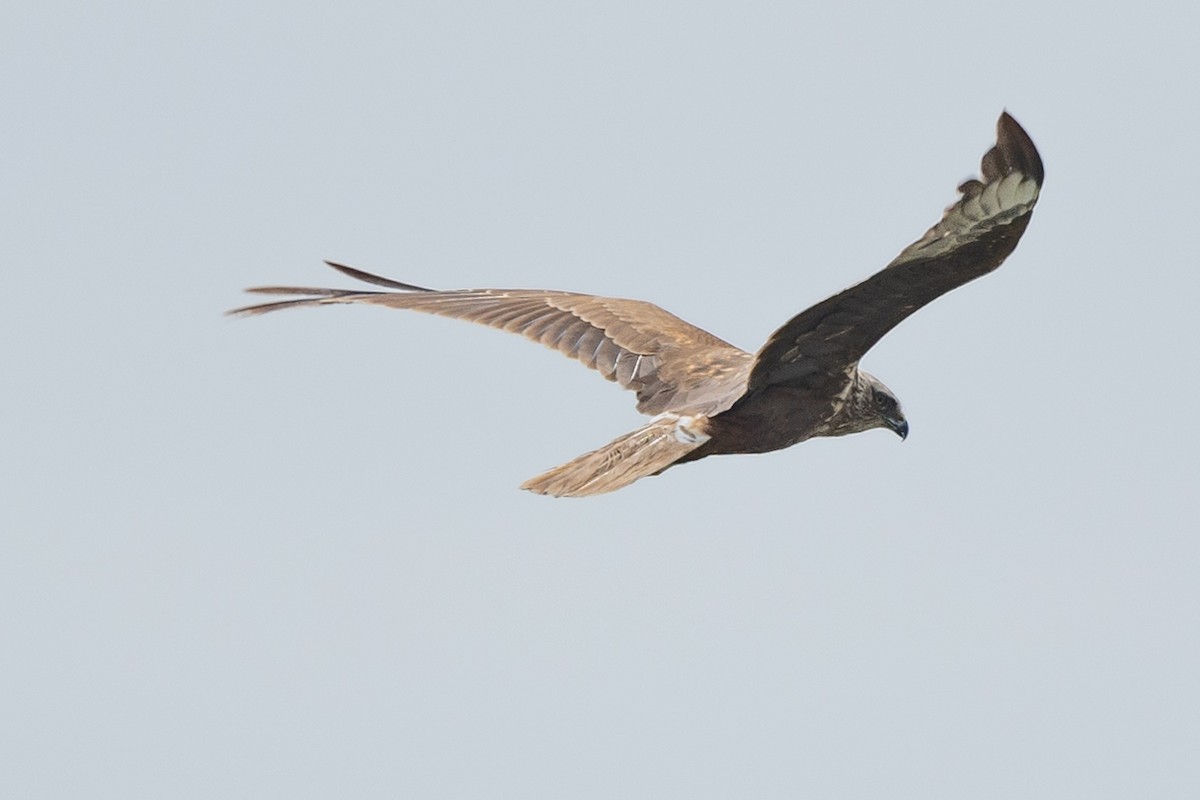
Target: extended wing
(671, 364)
(973, 238)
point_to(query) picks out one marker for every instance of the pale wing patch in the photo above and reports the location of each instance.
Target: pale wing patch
(980, 209)
(690, 429)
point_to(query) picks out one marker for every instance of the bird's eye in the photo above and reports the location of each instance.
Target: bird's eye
(881, 401)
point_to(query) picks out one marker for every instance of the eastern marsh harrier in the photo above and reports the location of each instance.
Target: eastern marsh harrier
(708, 397)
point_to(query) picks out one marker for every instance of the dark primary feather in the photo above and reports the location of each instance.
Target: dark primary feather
(367, 277)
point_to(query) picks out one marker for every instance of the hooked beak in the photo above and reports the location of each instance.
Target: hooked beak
(899, 425)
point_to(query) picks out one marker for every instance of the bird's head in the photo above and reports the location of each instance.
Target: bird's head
(877, 407)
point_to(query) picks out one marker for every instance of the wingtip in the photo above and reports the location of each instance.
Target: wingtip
(378, 280)
(1016, 147)
(263, 308)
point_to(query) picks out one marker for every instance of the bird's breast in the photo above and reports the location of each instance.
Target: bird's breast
(772, 419)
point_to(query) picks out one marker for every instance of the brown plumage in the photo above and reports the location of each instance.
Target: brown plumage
(708, 396)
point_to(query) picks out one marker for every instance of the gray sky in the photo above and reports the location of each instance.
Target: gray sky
(287, 556)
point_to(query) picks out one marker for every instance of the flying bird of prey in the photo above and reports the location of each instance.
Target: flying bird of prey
(708, 397)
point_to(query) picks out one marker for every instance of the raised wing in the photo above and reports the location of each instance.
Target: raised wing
(671, 364)
(973, 238)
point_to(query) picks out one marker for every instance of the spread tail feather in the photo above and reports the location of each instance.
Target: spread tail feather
(645, 451)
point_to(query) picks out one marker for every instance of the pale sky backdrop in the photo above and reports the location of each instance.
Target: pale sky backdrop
(286, 557)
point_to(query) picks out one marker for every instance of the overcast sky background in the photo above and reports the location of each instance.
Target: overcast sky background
(286, 557)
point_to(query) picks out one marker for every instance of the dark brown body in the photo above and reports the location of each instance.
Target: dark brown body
(770, 419)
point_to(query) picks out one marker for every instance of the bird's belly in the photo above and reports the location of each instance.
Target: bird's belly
(771, 421)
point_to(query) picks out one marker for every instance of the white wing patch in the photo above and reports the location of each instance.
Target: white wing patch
(689, 429)
(980, 209)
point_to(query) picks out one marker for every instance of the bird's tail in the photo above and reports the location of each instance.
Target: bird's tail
(646, 451)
